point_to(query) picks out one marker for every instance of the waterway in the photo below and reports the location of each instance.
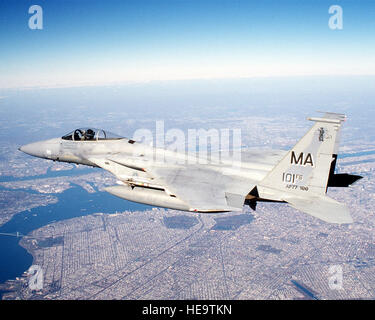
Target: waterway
(74, 202)
(52, 174)
(356, 154)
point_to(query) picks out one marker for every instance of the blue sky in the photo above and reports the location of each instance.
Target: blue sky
(99, 42)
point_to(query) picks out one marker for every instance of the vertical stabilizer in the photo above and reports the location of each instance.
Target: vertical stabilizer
(306, 167)
(301, 177)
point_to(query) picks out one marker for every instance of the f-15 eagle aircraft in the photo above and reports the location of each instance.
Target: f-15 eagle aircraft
(299, 177)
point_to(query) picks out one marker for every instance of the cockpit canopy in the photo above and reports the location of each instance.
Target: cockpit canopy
(90, 134)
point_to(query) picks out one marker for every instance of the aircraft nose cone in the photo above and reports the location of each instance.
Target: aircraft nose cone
(47, 149)
(33, 149)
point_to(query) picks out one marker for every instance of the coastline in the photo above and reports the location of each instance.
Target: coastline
(12, 288)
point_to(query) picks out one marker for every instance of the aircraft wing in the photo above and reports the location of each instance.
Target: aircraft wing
(207, 190)
(202, 188)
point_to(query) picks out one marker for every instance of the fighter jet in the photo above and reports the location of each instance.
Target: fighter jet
(299, 177)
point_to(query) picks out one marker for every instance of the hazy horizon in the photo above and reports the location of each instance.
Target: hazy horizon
(107, 42)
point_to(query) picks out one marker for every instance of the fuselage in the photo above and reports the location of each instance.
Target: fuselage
(252, 164)
(213, 180)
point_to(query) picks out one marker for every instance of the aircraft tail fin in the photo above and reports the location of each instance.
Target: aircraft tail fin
(306, 167)
(301, 177)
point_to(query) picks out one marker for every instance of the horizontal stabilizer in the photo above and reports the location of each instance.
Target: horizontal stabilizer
(342, 179)
(323, 208)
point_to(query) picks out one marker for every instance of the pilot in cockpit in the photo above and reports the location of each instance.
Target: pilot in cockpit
(78, 135)
(89, 134)
(85, 134)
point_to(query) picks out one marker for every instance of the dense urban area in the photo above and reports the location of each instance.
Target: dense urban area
(275, 252)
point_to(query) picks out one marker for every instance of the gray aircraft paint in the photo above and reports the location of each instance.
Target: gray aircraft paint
(175, 180)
